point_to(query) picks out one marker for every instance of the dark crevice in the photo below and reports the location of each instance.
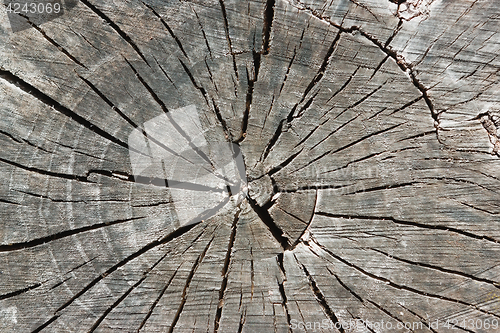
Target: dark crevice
(346, 83)
(288, 70)
(222, 121)
(274, 139)
(206, 97)
(283, 164)
(44, 325)
(203, 32)
(420, 135)
(284, 303)
(299, 239)
(252, 274)
(267, 114)
(105, 99)
(334, 151)
(164, 289)
(381, 308)
(335, 131)
(160, 295)
(170, 31)
(193, 81)
(165, 73)
(378, 67)
(402, 287)
(321, 298)
(465, 181)
(115, 28)
(9, 202)
(47, 173)
(306, 106)
(81, 265)
(352, 162)
(346, 287)
(249, 96)
(382, 188)
(174, 123)
(441, 269)
(20, 291)
(155, 204)
(59, 235)
(410, 223)
(422, 319)
(52, 41)
(75, 150)
(311, 133)
(160, 182)
(211, 77)
(400, 61)
(265, 217)
(243, 318)
(25, 141)
(394, 33)
(12, 137)
(186, 286)
(124, 295)
(173, 235)
(477, 208)
(410, 103)
(59, 283)
(319, 75)
(310, 187)
(376, 113)
(364, 98)
(50, 102)
(152, 93)
(228, 37)
(43, 196)
(267, 26)
(326, 60)
(225, 271)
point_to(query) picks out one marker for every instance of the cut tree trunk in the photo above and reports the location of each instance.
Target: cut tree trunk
(360, 138)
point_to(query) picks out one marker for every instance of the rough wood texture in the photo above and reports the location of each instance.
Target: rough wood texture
(368, 129)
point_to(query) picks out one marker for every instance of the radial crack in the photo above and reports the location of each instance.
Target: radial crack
(124, 295)
(414, 224)
(115, 28)
(170, 31)
(59, 235)
(320, 297)
(20, 291)
(225, 271)
(441, 269)
(173, 235)
(160, 295)
(319, 75)
(52, 41)
(265, 217)
(334, 151)
(399, 286)
(188, 283)
(50, 102)
(228, 37)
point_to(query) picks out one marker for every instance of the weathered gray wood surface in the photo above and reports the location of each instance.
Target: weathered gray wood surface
(369, 135)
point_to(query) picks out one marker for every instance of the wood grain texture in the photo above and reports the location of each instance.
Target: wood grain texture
(371, 184)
